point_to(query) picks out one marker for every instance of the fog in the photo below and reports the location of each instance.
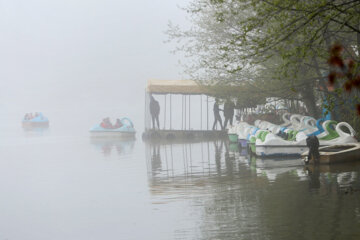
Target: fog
(78, 61)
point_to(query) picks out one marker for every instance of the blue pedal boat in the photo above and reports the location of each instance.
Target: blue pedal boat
(127, 130)
(38, 121)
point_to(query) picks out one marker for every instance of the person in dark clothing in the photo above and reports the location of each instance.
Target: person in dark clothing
(312, 143)
(228, 112)
(154, 111)
(217, 117)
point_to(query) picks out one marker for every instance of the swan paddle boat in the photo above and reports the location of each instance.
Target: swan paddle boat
(126, 130)
(238, 133)
(268, 144)
(38, 120)
(336, 154)
(233, 137)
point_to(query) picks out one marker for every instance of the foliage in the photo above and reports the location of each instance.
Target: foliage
(278, 47)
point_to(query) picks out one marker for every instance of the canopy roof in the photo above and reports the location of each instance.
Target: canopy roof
(174, 87)
(185, 87)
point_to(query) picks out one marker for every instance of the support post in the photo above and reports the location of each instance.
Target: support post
(164, 127)
(200, 112)
(189, 111)
(185, 112)
(145, 118)
(207, 112)
(170, 113)
(182, 112)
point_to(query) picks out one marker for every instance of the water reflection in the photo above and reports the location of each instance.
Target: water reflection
(345, 176)
(35, 130)
(219, 158)
(108, 145)
(242, 197)
(236, 149)
(189, 159)
(155, 159)
(271, 168)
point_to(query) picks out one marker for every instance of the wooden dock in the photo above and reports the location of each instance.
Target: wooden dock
(174, 135)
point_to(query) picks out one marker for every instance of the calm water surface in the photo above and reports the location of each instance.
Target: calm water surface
(64, 185)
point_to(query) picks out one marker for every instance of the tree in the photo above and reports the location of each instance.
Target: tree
(280, 46)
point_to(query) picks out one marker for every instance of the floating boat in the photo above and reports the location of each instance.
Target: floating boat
(233, 137)
(127, 130)
(271, 140)
(274, 146)
(286, 118)
(38, 121)
(269, 144)
(244, 132)
(252, 138)
(336, 154)
(235, 133)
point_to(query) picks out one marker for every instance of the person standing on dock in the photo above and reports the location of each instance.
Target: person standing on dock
(228, 112)
(217, 116)
(154, 111)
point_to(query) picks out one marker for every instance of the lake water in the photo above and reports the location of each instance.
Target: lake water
(60, 185)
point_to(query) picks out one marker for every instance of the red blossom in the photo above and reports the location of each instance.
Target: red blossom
(356, 82)
(336, 61)
(351, 64)
(346, 72)
(331, 77)
(347, 86)
(336, 50)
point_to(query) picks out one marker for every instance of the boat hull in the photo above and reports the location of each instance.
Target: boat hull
(112, 134)
(30, 124)
(329, 155)
(280, 150)
(126, 131)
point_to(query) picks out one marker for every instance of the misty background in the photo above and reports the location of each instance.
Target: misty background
(78, 61)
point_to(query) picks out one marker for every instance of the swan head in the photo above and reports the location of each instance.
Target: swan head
(341, 132)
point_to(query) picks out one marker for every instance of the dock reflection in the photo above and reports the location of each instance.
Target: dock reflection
(243, 197)
(108, 145)
(186, 159)
(209, 160)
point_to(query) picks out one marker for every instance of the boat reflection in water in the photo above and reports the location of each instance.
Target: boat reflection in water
(219, 158)
(344, 175)
(108, 145)
(242, 197)
(36, 130)
(271, 168)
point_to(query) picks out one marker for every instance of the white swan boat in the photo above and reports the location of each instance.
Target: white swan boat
(240, 131)
(273, 145)
(338, 153)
